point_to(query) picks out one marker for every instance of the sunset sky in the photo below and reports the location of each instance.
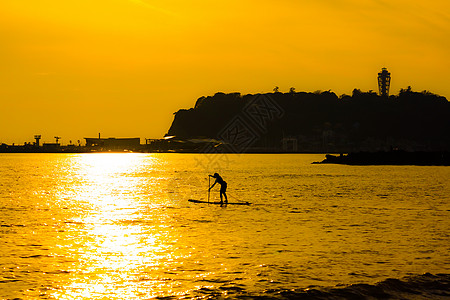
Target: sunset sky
(75, 68)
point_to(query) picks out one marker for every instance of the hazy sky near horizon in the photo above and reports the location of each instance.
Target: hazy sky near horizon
(75, 68)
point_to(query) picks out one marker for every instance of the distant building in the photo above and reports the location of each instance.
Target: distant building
(384, 82)
(51, 147)
(114, 143)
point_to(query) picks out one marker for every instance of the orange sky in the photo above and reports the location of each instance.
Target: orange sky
(75, 68)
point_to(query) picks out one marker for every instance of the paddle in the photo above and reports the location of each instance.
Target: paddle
(209, 186)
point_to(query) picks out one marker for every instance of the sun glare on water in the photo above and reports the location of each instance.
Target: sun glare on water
(111, 242)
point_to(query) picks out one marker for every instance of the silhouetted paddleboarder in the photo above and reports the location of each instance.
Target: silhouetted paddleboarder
(223, 186)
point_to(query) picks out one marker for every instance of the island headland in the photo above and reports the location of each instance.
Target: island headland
(292, 122)
(318, 122)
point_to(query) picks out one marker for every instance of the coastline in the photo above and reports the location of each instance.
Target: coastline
(393, 157)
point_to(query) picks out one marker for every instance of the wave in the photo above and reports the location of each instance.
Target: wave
(426, 286)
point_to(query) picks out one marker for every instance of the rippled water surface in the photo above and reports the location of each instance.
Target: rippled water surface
(119, 226)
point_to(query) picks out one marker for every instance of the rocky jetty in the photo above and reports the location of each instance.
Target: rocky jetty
(390, 158)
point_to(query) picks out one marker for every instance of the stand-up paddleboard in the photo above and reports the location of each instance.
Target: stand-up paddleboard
(216, 202)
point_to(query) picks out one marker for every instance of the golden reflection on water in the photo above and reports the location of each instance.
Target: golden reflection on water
(108, 240)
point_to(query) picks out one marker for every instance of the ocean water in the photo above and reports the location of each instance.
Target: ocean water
(119, 226)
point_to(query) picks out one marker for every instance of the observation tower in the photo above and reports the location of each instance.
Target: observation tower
(384, 82)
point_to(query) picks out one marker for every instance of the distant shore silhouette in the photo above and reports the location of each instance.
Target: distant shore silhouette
(294, 122)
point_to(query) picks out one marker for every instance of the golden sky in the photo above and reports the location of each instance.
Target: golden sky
(75, 68)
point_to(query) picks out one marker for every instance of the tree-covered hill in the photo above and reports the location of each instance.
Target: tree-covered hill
(320, 121)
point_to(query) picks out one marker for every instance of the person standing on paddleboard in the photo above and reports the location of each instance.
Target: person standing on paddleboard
(223, 186)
